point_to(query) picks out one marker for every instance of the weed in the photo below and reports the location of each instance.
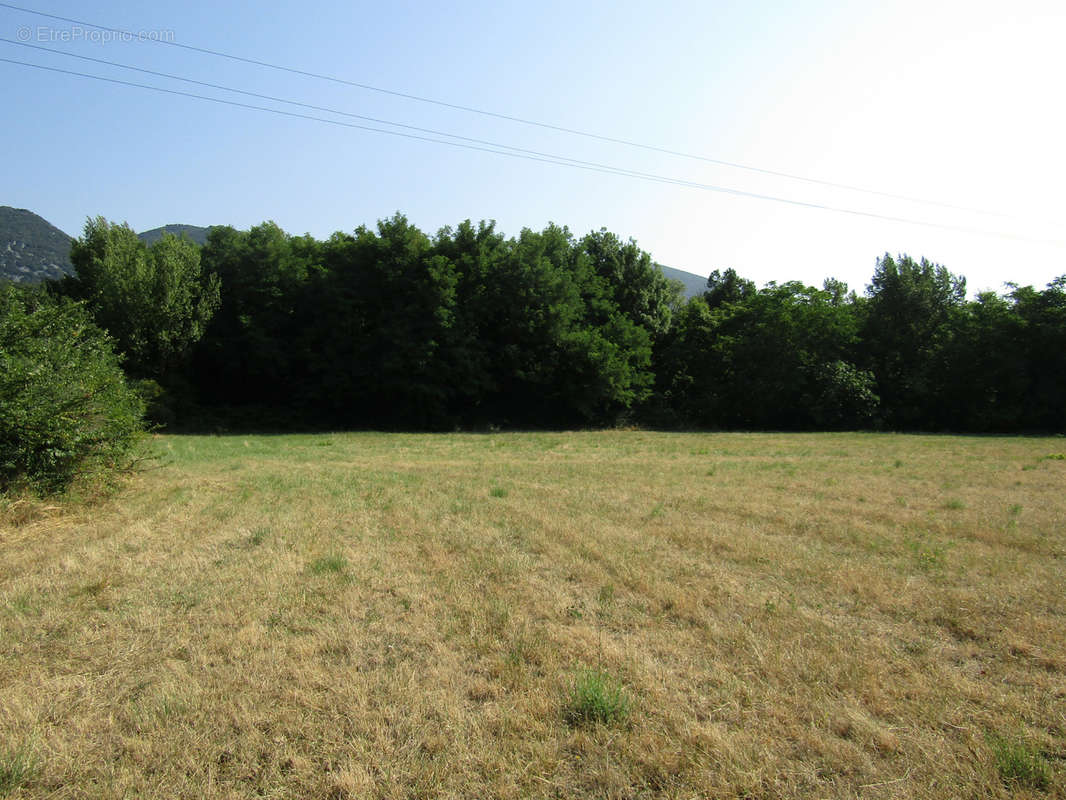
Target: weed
(929, 557)
(24, 604)
(657, 511)
(1014, 509)
(606, 594)
(898, 464)
(596, 697)
(497, 491)
(954, 504)
(17, 768)
(1055, 457)
(258, 536)
(1019, 763)
(330, 563)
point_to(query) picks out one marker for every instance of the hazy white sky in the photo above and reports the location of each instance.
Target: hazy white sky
(954, 102)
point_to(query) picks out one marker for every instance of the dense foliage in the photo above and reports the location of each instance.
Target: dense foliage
(392, 328)
(152, 300)
(66, 410)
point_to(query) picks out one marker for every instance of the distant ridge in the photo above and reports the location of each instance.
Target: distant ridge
(694, 284)
(193, 232)
(31, 248)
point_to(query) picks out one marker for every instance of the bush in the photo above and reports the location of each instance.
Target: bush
(66, 411)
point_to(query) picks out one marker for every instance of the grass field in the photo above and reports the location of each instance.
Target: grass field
(613, 614)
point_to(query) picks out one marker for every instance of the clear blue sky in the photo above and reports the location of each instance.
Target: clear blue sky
(958, 102)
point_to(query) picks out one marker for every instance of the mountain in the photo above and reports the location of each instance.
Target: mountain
(193, 232)
(31, 248)
(694, 284)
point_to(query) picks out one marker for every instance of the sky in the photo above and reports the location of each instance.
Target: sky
(950, 116)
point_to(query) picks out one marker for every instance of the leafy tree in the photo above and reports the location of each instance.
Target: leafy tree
(778, 357)
(249, 353)
(906, 325)
(155, 302)
(727, 287)
(66, 411)
(634, 284)
(379, 352)
(1041, 316)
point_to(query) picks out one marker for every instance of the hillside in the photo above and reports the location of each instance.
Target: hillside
(193, 232)
(694, 284)
(31, 248)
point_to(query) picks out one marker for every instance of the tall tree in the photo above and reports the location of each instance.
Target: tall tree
(906, 325)
(247, 356)
(154, 301)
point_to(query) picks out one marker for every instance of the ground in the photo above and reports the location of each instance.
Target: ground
(614, 614)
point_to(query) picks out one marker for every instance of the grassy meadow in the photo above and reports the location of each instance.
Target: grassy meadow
(617, 614)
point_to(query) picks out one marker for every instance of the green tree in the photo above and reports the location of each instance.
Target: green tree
(1042, 318)
(636, 286)
(66, 411)
(249, 355)
(779, 357)
(155, 302)
(906, 326)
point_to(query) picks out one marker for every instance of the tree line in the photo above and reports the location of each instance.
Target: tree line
(389, 327)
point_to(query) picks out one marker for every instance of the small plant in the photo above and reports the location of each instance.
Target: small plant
(928, 556)
(17, 768)
(1019, 763)
(954, 504)
(1014, 509)
(596, 697)
(258, 536)
(497, 491)
(330, 563)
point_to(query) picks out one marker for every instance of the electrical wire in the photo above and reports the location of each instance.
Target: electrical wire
(508, 117)
(545, 158)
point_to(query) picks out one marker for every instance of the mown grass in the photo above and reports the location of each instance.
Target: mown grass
(373, 615)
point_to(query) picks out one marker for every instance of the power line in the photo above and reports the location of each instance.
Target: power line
(507, 117)
(311, 106)
(544, 157)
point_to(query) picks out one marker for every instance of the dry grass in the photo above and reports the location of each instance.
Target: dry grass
(397, 616)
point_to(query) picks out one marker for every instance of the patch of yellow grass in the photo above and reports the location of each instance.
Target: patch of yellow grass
(369, 615)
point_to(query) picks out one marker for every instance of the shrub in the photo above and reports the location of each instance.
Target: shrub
(66, 411)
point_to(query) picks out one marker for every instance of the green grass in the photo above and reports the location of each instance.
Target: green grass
(18, 767)
(596, 697)
(330, 563)
(1019, 763)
